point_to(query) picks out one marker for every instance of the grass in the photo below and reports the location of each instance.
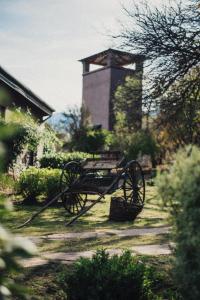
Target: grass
(113, 242)
(52, 220)
(42, 281)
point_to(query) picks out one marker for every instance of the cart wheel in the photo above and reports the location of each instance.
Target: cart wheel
(72, 202)
(134, 184)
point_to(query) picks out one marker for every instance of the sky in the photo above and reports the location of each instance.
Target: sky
(42, 41)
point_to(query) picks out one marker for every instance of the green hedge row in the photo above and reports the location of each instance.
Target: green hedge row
(35, 182)
(58, 160)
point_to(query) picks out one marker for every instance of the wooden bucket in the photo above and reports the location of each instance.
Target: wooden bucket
(121, 211)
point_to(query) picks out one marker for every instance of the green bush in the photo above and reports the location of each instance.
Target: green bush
(141, 143)
(109, 278)
(52, 182)
(12, 142)
(180, 190)
(7, 183)
(91, 140)
(58, 160)
(11, 247)
(35, 182)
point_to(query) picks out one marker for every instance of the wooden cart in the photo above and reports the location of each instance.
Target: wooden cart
(104, 173)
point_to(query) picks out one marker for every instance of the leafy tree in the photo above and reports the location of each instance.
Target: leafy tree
(141, 143)
(82, 136)
(127, 101)
(183, 119)
(169, 38)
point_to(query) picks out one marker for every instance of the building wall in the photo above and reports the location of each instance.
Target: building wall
(118, 76)
(99, 87)
(96, 95)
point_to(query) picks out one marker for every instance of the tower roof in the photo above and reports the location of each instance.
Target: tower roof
(119, 58)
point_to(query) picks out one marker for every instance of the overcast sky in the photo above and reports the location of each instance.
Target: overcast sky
(41, 42)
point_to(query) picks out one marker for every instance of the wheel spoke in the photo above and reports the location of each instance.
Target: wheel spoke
(134, 189)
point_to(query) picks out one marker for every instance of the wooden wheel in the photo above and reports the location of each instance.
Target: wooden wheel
(134, 184)
(73, 202)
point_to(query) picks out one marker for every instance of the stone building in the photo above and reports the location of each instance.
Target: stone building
(100, 85)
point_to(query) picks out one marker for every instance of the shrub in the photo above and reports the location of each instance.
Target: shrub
(91, 140)
(11, 247)
(51, 179)
(141, 143)
(58, 160)
(7, 183)
(109, 278)
(12, 142)
(180, 190)
(35, 182)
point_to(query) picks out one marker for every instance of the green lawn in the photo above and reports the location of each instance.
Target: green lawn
(42, 281)
(52, 221)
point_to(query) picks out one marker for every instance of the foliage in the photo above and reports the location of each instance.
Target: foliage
(75, 122)
(58, 160)
(135, 144)
(113, 278)
(82, 136)
(127, 101)
(51, 179)
(12, 141)
(30, 125)
(49, 139)
(7, 183)
(34, 182)
(168, 36)
(180, 190)
(141, 143)
(32, 134)
(11, 247)
(92, 140)
(180, 124)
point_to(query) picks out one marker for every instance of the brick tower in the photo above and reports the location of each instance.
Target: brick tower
(100, 85)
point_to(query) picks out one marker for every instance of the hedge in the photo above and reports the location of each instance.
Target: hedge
(34, 182)
(58, 160)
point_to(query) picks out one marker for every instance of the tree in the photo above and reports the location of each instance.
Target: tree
(169, 38)
(127, 101)
(82, 136)
(182, 121)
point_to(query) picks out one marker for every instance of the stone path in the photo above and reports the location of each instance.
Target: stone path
(70, 257)
(99, 233)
